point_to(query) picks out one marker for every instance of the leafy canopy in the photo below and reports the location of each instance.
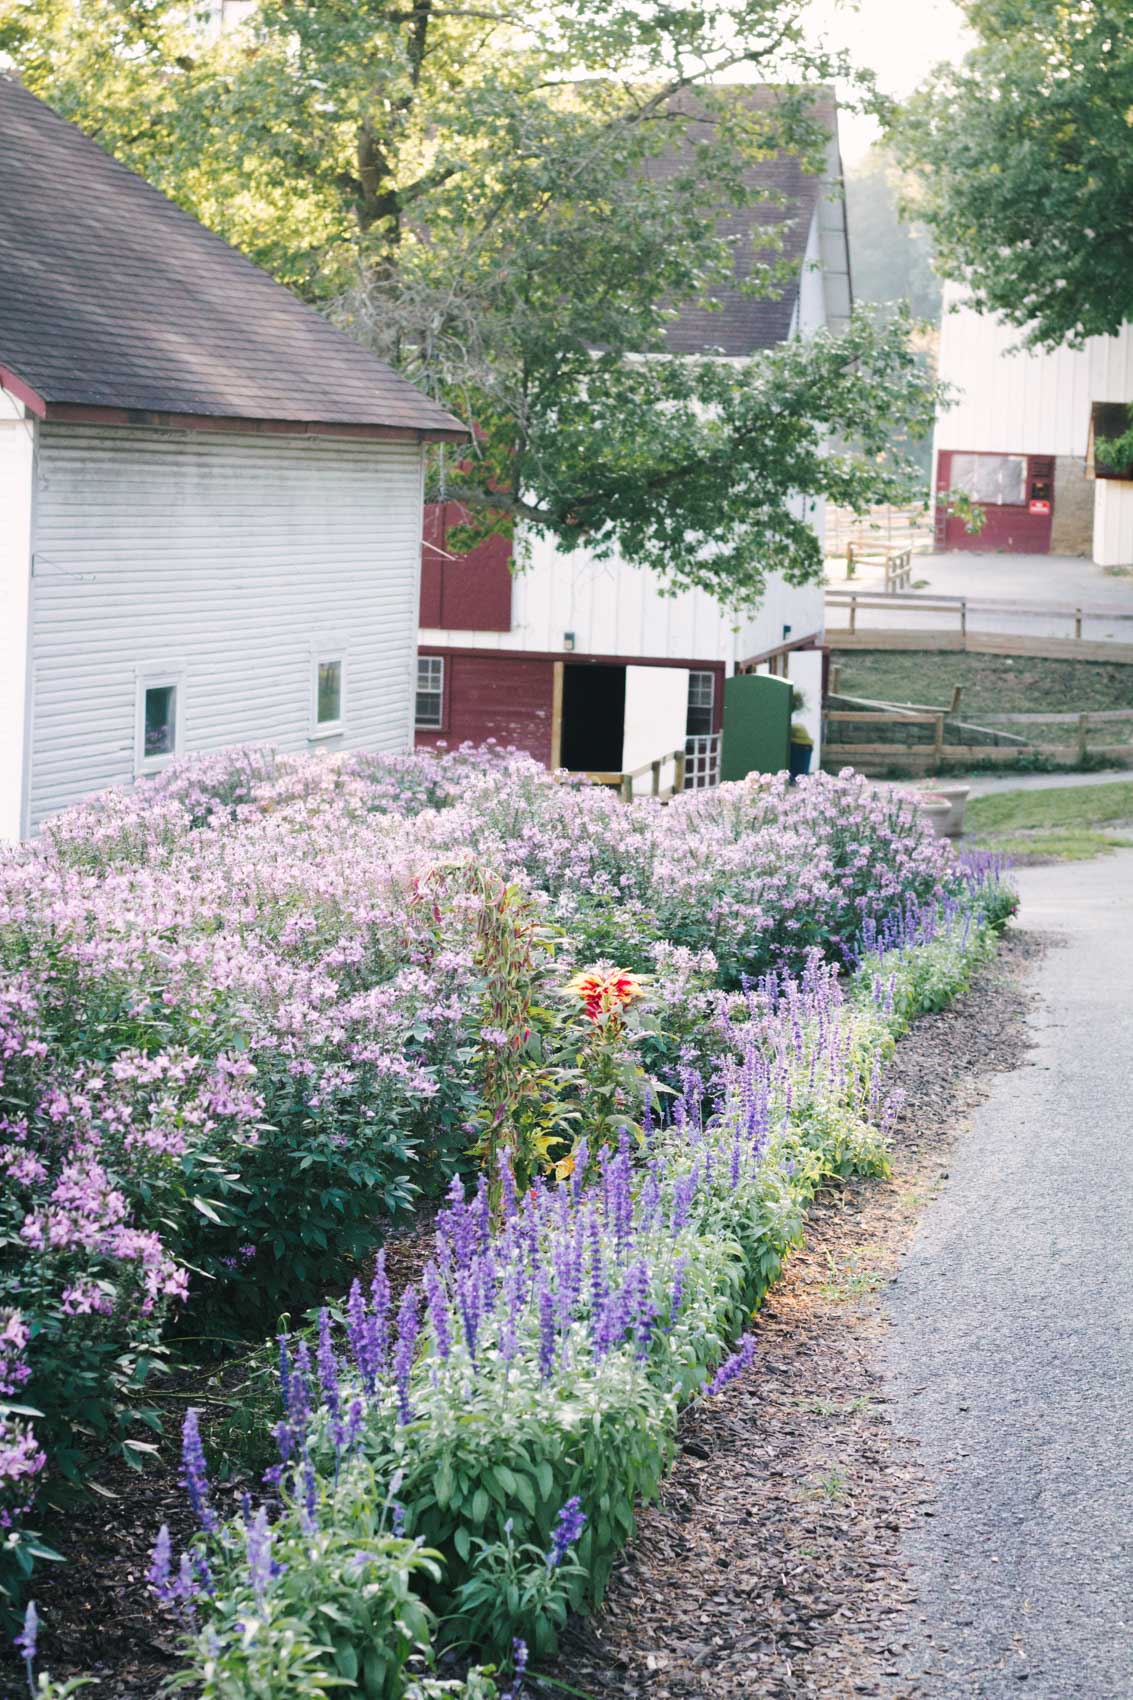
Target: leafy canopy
(472, 188)
(1025, 152)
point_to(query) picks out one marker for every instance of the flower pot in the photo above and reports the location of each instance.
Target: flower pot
(937, 809)
(799, 757)
(957, 796)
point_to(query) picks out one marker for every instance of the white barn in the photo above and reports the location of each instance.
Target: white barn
(210, 499)
(1018, 439)
(585, 663)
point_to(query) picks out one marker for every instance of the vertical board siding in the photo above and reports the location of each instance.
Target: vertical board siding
(1113, 523)
(233, 560)
(1012, 401)
(463, 592)
(508, 700)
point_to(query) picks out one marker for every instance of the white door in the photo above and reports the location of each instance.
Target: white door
(655, 716)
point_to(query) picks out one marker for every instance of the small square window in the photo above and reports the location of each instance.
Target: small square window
(701, 701)
(328, 703)
(159, 736)
(430, 691)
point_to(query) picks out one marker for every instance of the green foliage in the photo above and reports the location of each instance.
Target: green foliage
(340, 1608)
(1026, 164)
(958, 504)
(513, 1593)
(475, 195)
(892, 256)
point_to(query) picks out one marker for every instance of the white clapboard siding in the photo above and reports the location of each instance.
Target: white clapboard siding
(233, 560)
(1014, 401)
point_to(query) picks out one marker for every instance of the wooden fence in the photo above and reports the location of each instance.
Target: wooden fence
(929, 757)
(961, 609)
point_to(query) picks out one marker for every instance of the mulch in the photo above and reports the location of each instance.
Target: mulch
(770, 1565)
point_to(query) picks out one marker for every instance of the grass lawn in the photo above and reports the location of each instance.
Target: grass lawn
(993, 684)
(1059, 824)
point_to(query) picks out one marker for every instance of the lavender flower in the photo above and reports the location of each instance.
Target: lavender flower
(407, 1326)
(546, 1332)
(438, 1310)
(258, 1549)
(568, 1529)
(158, 1574)
(328, 1376)
(27, 1640)
(380, 1303)
(732, 1367)
(196, 1475)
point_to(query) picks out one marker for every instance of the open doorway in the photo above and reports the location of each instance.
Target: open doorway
(594, 705)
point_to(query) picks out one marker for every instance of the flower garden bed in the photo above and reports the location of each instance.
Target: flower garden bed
(252, 1012)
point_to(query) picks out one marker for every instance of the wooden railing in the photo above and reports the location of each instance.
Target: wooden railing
(963, 609)
(888, 717)
(625, 781)
(897, 564)
(931, 754)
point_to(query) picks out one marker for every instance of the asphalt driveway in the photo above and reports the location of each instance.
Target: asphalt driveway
(1011, 1355)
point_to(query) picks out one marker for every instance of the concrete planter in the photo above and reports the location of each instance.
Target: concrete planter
(957, 796)
(936, 808)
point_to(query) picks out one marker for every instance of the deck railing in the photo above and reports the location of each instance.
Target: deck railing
(702, 761)
(626, 783)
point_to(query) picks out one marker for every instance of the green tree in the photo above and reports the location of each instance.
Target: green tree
(891, 252)
(472, 188)
(1025, 153)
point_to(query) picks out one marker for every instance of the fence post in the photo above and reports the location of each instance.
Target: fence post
(627, 788)
(680, 759)
(963, 618)
(655, 768)
(957, 693)
(853, 612)
(835, 677)
(938, 739)
(1083, 735)
(1078, 623)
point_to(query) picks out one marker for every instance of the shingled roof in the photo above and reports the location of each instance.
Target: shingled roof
(112, 298)
(742, 324)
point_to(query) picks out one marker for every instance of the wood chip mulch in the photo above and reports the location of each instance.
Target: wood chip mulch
(770, 1566)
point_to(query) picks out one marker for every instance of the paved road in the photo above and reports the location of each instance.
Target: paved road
(990, 784)
(1011, 1357)
(1043, 581)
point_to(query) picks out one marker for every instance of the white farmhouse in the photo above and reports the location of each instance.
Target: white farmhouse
(1018, 439)
(210, 499)
(585, 663)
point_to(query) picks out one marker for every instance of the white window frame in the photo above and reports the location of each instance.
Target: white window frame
(708, 673)
(430, 725)
(157, 678)
(328, 728)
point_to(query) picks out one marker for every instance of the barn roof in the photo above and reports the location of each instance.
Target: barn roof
(742, 324)
(113, 299)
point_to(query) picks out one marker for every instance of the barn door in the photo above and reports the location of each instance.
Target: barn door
(655, 716)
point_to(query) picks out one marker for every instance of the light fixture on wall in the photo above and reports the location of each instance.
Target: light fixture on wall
(568, 640)
(786, 633)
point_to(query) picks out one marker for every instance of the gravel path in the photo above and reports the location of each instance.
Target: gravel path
(1011, 1355)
